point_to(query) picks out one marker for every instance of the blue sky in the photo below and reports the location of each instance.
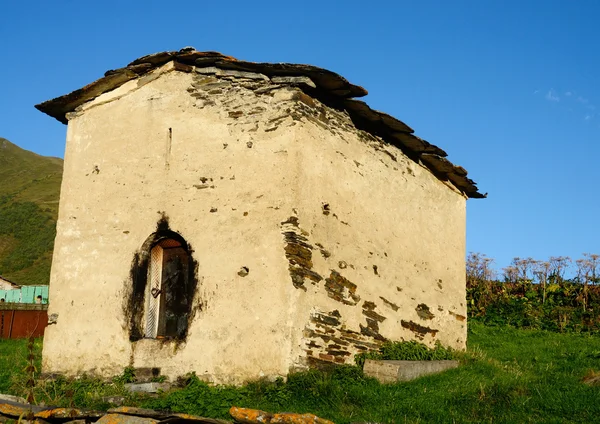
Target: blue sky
(510, 89)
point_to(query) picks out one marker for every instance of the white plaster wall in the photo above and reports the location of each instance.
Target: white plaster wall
(393, 214)
(120, 175)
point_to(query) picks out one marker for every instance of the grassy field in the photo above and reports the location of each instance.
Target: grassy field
(13, 360)
(507, 376)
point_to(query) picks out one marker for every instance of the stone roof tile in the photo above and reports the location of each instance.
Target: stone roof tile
(329, 88)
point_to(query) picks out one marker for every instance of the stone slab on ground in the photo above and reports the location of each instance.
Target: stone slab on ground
(147, 387)
(72, 413)
(256, 416)
(11, 411)
(140, 412)
(17, 409)
(12, 398)
(125, 419)
(388, 371)
(179, 417)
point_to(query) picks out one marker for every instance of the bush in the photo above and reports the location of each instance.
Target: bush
(568, 307)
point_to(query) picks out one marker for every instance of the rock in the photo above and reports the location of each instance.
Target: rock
(243, 74)
(209, 70)
(213, 70)
(206, 86)
(256, 416)
(192, 57)
(12, 398)
(142, 68)
(437, 164)
(205, 61)
(415, 144)
(266, 88)
(16, 409)
(291, 418)
(163, 417)
(73, 413)
(156, 59)
(466, 184)
(250, 416)
(34, 421)
(394, 124)
(301, 80)
(182, 67)
(141, 412)
(324, 82)
(125, 419)
(147, 387)
(394, 371)
(194, 419)
(120, 415)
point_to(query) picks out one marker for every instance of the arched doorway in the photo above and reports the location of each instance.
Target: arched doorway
(168, 295)
(161, 303)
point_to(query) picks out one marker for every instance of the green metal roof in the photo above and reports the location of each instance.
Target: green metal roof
(25, 294)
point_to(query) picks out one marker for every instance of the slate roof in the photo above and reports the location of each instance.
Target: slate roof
(329, 88)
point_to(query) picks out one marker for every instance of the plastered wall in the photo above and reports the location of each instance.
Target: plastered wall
(312, 240)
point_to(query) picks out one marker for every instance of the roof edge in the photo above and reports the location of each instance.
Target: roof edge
(329, 88)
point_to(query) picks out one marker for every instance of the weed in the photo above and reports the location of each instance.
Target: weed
(406, 351)
(128, 376)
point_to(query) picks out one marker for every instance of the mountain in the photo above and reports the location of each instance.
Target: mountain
(29, 193)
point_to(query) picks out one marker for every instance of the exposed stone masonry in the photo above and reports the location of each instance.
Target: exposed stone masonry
(328, 341)
(419, 330)
(299, 254)
(341, 289)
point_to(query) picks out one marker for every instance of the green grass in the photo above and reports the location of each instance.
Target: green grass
(28, 177)
(29, 193)
(13, 360)
(507, 376)
(407, 351)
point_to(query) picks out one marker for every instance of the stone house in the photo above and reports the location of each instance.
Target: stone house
(7, 284)
(243, 219)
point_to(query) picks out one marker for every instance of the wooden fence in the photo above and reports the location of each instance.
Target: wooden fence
(21, 320)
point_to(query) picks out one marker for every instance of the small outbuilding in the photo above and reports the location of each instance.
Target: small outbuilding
(243, 219)
(7, 284)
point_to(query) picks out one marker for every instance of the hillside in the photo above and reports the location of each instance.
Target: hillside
(29, 192)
